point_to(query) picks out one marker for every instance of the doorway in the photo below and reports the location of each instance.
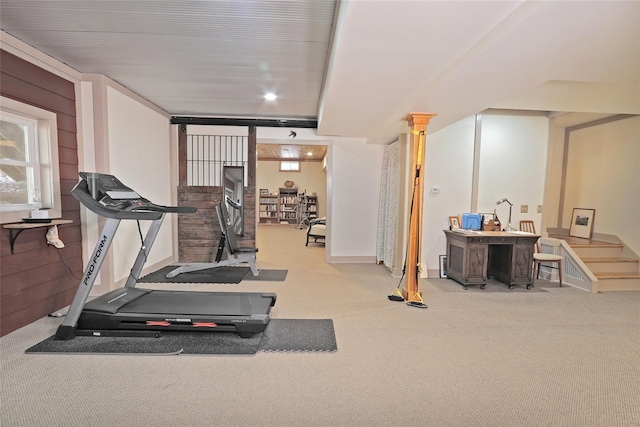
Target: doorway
(287, 194)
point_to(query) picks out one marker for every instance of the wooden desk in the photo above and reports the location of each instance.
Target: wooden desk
(475, 256)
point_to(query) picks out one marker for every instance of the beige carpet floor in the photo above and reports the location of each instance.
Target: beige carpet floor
(555, 357)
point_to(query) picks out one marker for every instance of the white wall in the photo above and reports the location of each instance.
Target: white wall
(511, 164)
(603, 173)
(513, 156)
(217, 130)
(280, 135)
(139, 155)
(356, 173)
(449, 166)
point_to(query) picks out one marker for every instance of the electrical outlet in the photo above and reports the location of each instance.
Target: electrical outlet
(539, 208)
(524, 208)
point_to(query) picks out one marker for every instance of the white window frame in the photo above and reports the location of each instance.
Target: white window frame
(45, 140)
(289, 166)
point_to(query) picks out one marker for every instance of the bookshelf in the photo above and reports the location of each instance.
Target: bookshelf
(268, 209)
(288, 205)
(311, 207)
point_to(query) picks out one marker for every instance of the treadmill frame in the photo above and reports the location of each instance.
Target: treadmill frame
(69, 327)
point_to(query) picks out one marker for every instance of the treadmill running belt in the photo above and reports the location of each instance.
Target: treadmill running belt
(199, 303)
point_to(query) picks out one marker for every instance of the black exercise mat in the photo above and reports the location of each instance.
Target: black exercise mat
(281, 335)
(299, 335)
(225, 274)
(170, 343)
(268, 276)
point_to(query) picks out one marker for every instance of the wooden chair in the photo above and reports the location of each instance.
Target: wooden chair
(539, 257)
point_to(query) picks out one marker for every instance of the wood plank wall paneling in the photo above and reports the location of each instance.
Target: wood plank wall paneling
(199, 233)
(39, 279)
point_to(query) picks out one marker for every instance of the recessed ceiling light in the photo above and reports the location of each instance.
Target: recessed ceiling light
(309, 153)
(270, 96)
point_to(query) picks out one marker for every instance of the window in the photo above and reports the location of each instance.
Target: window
(289, 166)
(19, 173)
(29, 177)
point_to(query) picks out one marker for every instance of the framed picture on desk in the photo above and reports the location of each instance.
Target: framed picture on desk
(582, 223)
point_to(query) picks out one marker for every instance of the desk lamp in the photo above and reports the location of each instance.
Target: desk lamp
(510, 206)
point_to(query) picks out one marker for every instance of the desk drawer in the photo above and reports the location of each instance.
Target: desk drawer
(492, 240)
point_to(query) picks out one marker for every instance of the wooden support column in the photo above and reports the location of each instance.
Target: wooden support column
(418, 123)
(182, 154)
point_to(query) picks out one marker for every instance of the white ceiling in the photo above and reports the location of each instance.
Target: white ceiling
(388, 57)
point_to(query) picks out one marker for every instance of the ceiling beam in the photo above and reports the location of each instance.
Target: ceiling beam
(226, 121)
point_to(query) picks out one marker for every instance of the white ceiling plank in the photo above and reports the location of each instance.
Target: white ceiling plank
(389, 58)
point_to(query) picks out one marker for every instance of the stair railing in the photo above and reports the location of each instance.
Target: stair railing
(575, 272)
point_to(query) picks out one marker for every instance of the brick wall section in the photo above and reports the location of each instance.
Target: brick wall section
(39, 279)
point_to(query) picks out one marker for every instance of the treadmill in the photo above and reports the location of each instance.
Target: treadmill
(131, 311)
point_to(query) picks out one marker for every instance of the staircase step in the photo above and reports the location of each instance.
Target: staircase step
(608, 284)
(617, 275)
(577, 242)
(607, 259)
(595, 244)
(607, 264)
(597, 251)
(590, 247)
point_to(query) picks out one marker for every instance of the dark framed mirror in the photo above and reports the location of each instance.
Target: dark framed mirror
(233, 184)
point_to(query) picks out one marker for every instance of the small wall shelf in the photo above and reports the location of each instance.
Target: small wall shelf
(21, 226)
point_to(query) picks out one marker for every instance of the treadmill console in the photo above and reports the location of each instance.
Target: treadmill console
(105, 195)
(101, 184)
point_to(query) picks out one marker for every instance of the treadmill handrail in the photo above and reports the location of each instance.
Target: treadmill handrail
(146, 211)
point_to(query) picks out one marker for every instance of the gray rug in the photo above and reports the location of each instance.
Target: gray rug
(450, 285)
(281, 335)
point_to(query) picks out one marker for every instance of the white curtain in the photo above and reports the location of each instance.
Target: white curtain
(388, 212)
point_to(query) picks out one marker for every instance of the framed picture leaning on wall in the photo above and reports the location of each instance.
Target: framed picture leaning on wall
(582, 223)
(443, 266)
